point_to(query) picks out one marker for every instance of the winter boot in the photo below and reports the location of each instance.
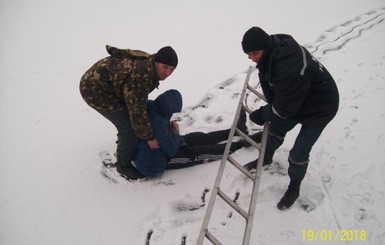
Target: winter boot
(129, 172)
(252, 166)
(291, 194)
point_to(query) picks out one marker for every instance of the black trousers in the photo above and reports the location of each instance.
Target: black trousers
(127, 138)
(299, 153)
(201, 147)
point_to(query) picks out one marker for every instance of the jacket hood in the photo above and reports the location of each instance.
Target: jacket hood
(168, 103)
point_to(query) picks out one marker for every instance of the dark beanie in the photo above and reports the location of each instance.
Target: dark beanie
(255, 39)
(167, 56)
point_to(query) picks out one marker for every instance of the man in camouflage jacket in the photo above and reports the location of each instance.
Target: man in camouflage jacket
(118, 87)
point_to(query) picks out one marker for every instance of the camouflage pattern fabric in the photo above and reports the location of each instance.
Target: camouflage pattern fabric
(123, 79)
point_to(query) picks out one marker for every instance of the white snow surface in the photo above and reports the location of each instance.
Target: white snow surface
(51, 189)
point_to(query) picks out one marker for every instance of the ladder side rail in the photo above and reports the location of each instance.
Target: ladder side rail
(214, 193)
(262, 149)
(261, 157)
(210, 206)
(235, 206)
(253, 201)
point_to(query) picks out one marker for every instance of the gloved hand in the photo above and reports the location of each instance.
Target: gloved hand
(262, 115)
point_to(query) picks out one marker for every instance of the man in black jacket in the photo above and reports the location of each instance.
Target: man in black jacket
(299, 90)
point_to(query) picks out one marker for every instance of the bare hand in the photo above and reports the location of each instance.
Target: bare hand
(153, 144)
(175, 126)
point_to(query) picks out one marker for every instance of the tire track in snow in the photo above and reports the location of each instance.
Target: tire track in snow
(338, 36)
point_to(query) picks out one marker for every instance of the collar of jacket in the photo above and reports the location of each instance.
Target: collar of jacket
(267, 55)
(152, 69)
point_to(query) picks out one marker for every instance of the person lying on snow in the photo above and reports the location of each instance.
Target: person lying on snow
(178, 151)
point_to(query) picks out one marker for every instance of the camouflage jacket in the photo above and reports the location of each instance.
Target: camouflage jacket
(122, 80)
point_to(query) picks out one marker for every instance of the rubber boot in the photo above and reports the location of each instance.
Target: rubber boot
(291, 194)
(296, 173)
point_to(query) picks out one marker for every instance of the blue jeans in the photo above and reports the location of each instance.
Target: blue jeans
(299, 153)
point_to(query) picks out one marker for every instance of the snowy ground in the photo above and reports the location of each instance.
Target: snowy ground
(51, 189)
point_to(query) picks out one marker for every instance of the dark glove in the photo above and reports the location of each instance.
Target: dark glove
(262, 115)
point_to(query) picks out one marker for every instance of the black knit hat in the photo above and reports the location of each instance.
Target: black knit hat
(167, 55)
(255, 39)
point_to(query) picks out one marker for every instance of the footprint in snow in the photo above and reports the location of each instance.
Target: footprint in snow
(310, 202)
(381, 139)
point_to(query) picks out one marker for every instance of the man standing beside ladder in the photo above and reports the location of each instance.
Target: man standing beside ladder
(299, 90)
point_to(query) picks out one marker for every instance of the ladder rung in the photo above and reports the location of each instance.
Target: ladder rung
(232, 204)
(256, 92)
(212, 238)
(247, 138)
(240, 167)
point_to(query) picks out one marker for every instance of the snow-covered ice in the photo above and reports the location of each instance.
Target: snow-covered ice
(51, 189)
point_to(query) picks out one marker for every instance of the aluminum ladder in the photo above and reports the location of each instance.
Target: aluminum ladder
(255, 178)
